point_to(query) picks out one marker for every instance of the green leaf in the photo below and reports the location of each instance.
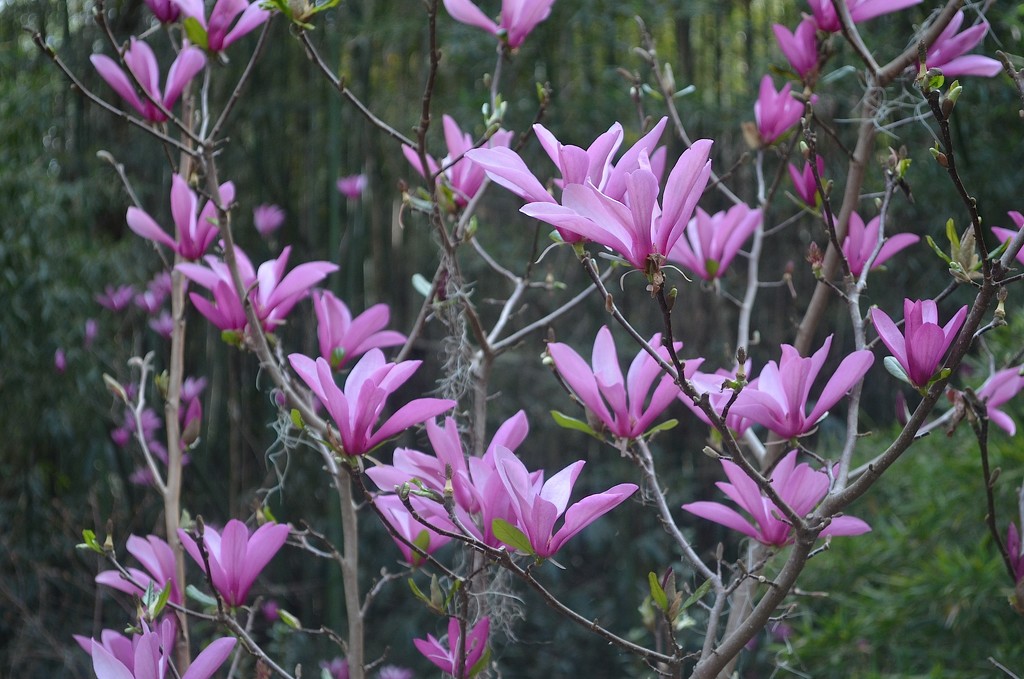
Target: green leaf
(952, 235)
(711, 266)
(657, 592)
(289, 619)
(90, 541)
(196, 33)
(511, 536)
(895, 369)
(482, 663)
(423, 542)
(697, 595)
(200, 597)
(566, 422)
(155, 602)
(942, 255)
(418, 593)
(297, 420)
(667, 425)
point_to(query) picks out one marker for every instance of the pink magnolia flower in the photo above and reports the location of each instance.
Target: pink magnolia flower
(353, 186)
(92, 329)
(117, 644)
(800, 46)
(116, 299)
(1008, 234)
(776, 112)
(803, 182)
(947, 52)
(142, 64)
(780, 400)
(336, 669)
(463, 176)
(518, 18)
(194, 229)
(236, 558)
(151, 655)
(166, 11)
(860, 10)
(357, 409)
(713, 384)
(219, 32)
(861, 240)
(406, 525)
(272, 293)
(163, 324)
(60, 361)
(1013, 546)
(636, 227)
(922, 345)
(395, 672)
(997, 390)
(621, 405)
(156, 557)
(712, 241)
(447, 657)
(342, 337)
(799, 486)
(538, 504)
(267, 218)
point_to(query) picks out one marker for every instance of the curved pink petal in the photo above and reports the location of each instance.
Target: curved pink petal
(846, 525)
(143, 225)
(589, 509)
(465, 12)
(118, 81)
(106, 665)
(850, 371)
(724, 515)
(188, 64)
(210, 660)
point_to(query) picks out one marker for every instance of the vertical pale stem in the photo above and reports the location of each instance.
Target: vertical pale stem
(350, 575)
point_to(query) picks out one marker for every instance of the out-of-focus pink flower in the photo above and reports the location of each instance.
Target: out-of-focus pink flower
(947, 52)
(92, 329)
(803, 182)
(343, 338)
(271, 610)
(518, 18)
(156, 557)
(861, 240)
(997, 390)
(163, 324)
(447, 657)
(116, 299)
(799, 486)
(194, 229)
(357, 409)
(395, 672)
(152, 654)
(149, 302)
(60, 361)
(800, 46)
(142, 64)
(273, 294)
(776, 112)
(922, 345)
(166, 11)
(1013, 546)
(267, 218)
(538, 504)
(337, 668)
(236, 558)
(780, 400)
(860, 10)
(192, 388)
(636, 227)
(353, 186)
(712, 241)
(462, 175)
(621, 405)
(218, 33)
(1008, 234)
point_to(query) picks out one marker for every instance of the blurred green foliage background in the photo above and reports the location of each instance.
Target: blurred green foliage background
(913, 598)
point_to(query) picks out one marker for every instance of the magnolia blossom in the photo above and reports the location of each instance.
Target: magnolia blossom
(405, 524)
(860, 10)
(947, 52)
(342, 337)
(775, 112)
(997, 390)
(463, 176)
(272, 293)
(357, 409)
(538, 504)
(194, 229)
(219, 33)
(156, 557)
(800, 46)
(1016, 551)
(60, 361)
(1009, 234)
(353, 186)
(861, 240)
(116, 298)
(780, 400)
(922, 345)
(799, 486)
(719, 395)
(165, 10)
(236, 557)
(636, 227)
(518, 17)
(92, 329)
(446, 658)
(267, 218)
(803, 181)
(712, 241)
(142, 64)
(621, 405)
(149, 656)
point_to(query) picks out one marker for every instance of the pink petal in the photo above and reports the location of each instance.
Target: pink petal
(466, 12)
(210, 660)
